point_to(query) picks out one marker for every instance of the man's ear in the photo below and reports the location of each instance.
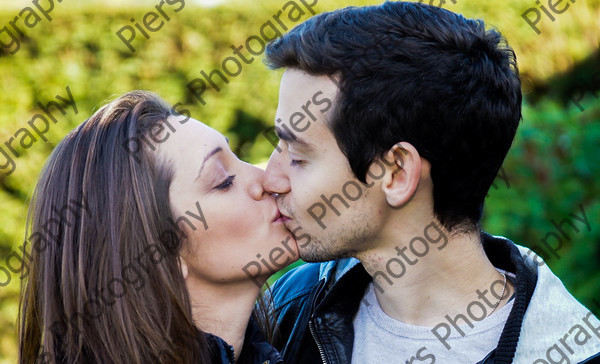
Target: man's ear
(400, 185)
(184, 268)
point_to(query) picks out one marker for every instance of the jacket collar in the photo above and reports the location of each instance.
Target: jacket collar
(504, 254)
(256, 349)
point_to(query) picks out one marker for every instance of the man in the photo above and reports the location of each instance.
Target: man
(394, 121)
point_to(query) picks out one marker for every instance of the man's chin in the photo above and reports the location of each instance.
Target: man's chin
(310, 258)
(310, 249)
(314, 252)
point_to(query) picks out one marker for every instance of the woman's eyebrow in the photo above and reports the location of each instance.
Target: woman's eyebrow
(212, 153)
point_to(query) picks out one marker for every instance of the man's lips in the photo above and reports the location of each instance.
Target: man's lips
(279, 217)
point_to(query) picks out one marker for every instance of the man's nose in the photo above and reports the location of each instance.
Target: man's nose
(276, 179)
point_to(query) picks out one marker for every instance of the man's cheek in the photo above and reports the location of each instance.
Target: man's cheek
(328, 206)
(296, 209)
(302, 199)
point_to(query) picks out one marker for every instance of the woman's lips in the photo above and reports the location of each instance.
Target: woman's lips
(280, 217)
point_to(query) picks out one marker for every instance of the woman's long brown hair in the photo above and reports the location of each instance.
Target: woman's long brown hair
(105, 283)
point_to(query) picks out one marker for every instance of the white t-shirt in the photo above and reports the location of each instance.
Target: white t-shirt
(378, 338)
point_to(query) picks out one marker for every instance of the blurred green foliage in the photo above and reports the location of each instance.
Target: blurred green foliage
(552, 167)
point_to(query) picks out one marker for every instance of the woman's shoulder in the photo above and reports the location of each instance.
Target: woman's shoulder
(220, 351)
(256, 349)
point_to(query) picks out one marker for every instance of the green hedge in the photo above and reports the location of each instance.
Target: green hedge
(552, 167)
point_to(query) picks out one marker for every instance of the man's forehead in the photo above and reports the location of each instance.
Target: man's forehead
(300, 82)
(305, 104)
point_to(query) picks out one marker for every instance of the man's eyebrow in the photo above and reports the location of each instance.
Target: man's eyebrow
(212, 153)
(291, 138)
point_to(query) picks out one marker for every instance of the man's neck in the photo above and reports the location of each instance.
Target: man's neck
(223, 309)
(420, 285)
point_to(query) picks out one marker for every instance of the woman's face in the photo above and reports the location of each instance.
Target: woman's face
(233, 227)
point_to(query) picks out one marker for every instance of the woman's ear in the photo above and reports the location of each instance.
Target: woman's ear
(184, 268)
(400, 185)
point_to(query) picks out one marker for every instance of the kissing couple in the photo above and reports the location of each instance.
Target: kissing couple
(378, 184)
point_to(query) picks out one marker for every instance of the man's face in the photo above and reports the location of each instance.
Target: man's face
(330, 212)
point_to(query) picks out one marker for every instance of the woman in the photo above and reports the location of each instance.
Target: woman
(147, 238)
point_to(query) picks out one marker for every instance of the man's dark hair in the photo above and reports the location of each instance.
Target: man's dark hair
(420, 74)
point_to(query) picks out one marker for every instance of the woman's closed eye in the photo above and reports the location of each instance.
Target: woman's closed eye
(226, 184)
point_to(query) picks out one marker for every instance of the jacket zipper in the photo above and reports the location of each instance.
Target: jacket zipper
(312, 331)
(311, 324)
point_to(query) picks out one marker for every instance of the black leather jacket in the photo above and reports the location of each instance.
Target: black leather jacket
(256, 349)
(315, 305)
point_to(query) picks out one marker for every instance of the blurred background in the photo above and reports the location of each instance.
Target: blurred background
(552, 169)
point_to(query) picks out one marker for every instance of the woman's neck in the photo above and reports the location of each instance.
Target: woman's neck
(223, 309)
